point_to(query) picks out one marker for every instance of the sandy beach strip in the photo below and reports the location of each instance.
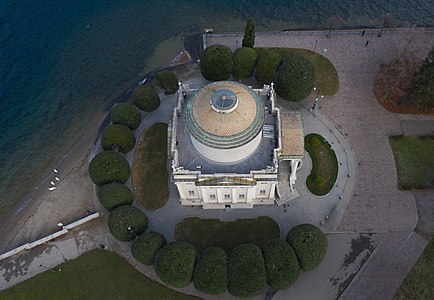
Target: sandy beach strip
(74, 197)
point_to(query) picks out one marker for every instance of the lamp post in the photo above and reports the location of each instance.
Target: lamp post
(317, 97)
(130, 229)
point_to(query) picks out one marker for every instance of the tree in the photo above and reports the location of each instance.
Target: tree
(118, 137)
(175, 263)
(388, 21)
(334, 22)
(266, 68)
(423, 82)
(107, 167)
(281, 264)
(115, 194)
(295, 78)
(216, 63)
(146, 247)
(249, 34)
(246, 271)
(245, 60)
(394, 82)
(126, 222)
(146, 99)
(309, 244)
(126, 114)
(211, 273)
(167, 81)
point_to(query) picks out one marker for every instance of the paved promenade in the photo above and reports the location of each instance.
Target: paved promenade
(369, 221)
(375, 205)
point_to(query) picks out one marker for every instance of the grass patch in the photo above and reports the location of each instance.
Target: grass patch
(205, 233)
(419, 283)
(414, 159)
(324, 165)
(95, 275)
(327, 79)
(150, 174)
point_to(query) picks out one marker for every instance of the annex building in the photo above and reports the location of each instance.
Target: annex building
(231, 147)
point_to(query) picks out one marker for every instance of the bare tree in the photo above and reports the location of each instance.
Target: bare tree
(334, 22)
(388, 21)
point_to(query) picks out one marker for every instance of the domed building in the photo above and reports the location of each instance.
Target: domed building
(230, 147)
(225, 121)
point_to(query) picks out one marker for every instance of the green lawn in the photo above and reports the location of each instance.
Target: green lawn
(205, 233)
(414, 159)
(95, 275)
(327, 79)
(150, 176)
(324, 165)
(419, 283)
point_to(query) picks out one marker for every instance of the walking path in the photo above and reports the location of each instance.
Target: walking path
(376, 205)
(364, 200)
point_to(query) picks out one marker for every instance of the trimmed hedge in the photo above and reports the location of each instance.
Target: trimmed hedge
(281, 264)
(175, 263)
(118, 136)
(146, 99)
(126, 222)
(216, 63)
(309, 244)
(268, 62)
(211, 273)
(246, 271)
(167, 81)
(107, 167)
(115, 194)
(295, 78)
(146, 246)
(126, 114)
(245, 60)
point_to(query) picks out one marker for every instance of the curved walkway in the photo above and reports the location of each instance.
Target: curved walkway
(376, 206)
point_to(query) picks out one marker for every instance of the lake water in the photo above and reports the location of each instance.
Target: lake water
(60, 61)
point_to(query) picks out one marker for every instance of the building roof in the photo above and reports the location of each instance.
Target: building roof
(292, 135)
(224, 115)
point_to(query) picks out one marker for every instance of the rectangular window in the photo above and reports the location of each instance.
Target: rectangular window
(262, 192)
(191, 193)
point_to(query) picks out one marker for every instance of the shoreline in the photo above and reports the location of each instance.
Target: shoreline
(13, 231)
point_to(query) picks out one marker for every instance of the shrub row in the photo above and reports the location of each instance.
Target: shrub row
(245, 273)
(294, 76)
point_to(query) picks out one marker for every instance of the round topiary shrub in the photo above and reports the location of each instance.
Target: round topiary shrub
(146, 246)
(211, 273)
(295, 78)
(146, 99)
(118, 137)
(266, 68)
(109, 166)
(246, 271)
(115, 194)
(167, 81)
(174, 264)
(309, 244)
(245, 60)
(216, 63)
(126, 114)
(281, 264)
(126, 222)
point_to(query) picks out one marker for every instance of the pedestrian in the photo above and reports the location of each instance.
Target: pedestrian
(367, 42)
(363, 32)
